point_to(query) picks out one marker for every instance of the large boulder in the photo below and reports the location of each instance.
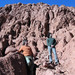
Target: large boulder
(68, 56)
(13, 64)
(10, 49)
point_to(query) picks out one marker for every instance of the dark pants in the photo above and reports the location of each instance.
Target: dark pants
(30, 64)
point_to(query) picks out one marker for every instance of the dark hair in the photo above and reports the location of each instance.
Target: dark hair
(49, 35)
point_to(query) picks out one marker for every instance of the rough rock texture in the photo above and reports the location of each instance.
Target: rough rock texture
(10, 49)
(34, 21)
(13, 64)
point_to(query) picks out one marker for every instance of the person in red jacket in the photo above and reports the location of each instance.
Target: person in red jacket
(27, 52)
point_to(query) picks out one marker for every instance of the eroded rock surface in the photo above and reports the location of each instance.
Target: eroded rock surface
(34, 21)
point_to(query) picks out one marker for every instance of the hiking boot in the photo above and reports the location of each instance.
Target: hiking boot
(51, 62)
(56, 63)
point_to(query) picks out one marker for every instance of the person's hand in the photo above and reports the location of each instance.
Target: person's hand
(52, 46)
(17, 51)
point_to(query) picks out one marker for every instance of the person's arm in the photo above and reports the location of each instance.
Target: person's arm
(54, 42)
(47, 42)
(20, 49)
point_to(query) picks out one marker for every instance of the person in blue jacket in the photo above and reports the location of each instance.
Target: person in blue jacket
(51, 42)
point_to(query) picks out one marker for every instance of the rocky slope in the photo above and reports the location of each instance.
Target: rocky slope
(34, 21)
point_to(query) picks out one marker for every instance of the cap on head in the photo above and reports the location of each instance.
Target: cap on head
(25, 41)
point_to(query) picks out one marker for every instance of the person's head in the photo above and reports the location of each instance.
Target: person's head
(25, 42)
(49, 35)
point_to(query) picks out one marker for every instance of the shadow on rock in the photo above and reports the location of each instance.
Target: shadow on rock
(49, 65)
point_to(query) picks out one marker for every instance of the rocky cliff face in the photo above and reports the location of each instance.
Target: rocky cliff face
(34, 21)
